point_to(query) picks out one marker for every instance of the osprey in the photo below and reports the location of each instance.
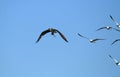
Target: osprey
(116, 62)
(115, 41)
(91, 40)
(116, 23)
(53, 31)
(108, 28)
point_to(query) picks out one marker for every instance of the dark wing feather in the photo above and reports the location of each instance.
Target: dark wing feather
(42, 34)
(110, 56)
(83, 36)
(112, 18)
(113, 59)
(98, 39)
(115, 41)
(63, 37)
(101, 28)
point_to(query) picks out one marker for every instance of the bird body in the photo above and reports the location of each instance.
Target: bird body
(53, 31)
(108, 27)
(92, 41)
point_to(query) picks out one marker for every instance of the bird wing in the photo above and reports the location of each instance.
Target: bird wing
(63, 37)
(115, 41)
(116, 29)
(97, 39)
(113, 59)
(114, 20)
(101, 28)
(83, 36)
(42, 34)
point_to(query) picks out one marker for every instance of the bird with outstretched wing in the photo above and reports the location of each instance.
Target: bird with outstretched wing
(108, 28)
(90, 40)
(53, 31)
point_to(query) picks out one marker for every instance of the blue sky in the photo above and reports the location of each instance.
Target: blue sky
(22, 21)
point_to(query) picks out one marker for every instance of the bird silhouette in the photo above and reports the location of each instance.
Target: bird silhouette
(116, 23)
(107, 28)
(115, 41)
(91, 40)
(115, 60)
(53, 31)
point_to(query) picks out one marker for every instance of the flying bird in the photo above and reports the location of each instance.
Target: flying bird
(115, 41)
(107, 28)
(115, 60)
(90, 40)
(116, 23)
(53, 31)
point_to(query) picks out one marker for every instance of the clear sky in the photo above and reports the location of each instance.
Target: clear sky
(22, 21)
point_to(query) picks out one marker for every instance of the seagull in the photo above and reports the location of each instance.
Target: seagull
(115, 41)
(91, 40)
(53, 31)
(107, 28)
(116, 23)
(116, 62)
